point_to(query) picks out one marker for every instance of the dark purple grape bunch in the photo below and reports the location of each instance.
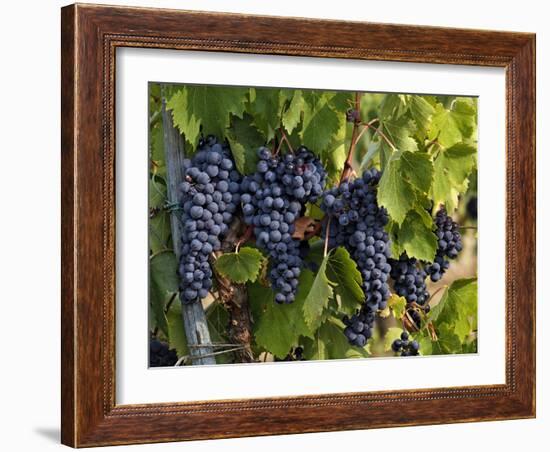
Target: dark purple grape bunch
(449, 244)
(359, 327)
(209, 198)
(160, 354)
(409, 278)
(272, 200)
(357, 223)
(353, 116)
(404, 346)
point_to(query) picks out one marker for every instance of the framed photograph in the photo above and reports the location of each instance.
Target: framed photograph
(282, 225)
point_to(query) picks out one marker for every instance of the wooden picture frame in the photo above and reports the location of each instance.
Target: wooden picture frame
(90, 36)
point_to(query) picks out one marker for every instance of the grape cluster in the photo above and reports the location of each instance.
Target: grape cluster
(272, 199)
(405, 346)
(356, 222)
(409, 278)
(210, 196)
(160, 354)
(449, 244)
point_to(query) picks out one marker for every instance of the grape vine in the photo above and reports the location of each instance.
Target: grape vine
(345, 211)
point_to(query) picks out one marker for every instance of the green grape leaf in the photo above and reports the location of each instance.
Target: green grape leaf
(265, 107)
(293, 115)
(157, 144)
(400, 132)
(277, 327)
(163, 282)
(176, 331)
(425, 216)
(317, 299)
(458, 308)
(330, 343)
(391, 335)
(452, 126)
(241, 266)
(341, 100)
(320, 123)
(416, 239)
(452, 168)
(159, 221)
(447, 341)
(418, 169)
(425, 344)
(336, 154)
(159, 232)
(157, 192)
(395, 193)
(397, 305)
(342, 270)
(245, 140)
(206, 106)
(217, 318)
(393, 105)
(421, 112)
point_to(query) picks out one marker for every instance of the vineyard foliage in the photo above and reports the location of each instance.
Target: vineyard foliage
(426, 150)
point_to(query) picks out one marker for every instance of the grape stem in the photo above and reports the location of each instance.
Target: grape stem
(284, 139)
(245, 237)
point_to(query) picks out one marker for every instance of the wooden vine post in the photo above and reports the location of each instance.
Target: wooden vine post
(194, 317)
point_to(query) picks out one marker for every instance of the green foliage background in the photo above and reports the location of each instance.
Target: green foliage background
(426, 147)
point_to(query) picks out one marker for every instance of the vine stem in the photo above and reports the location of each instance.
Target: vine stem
(348, 168)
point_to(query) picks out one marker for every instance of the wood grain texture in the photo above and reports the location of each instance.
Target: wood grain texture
(90, 36)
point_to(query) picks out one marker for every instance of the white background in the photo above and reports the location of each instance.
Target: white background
(29, 118)
(137, 384)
